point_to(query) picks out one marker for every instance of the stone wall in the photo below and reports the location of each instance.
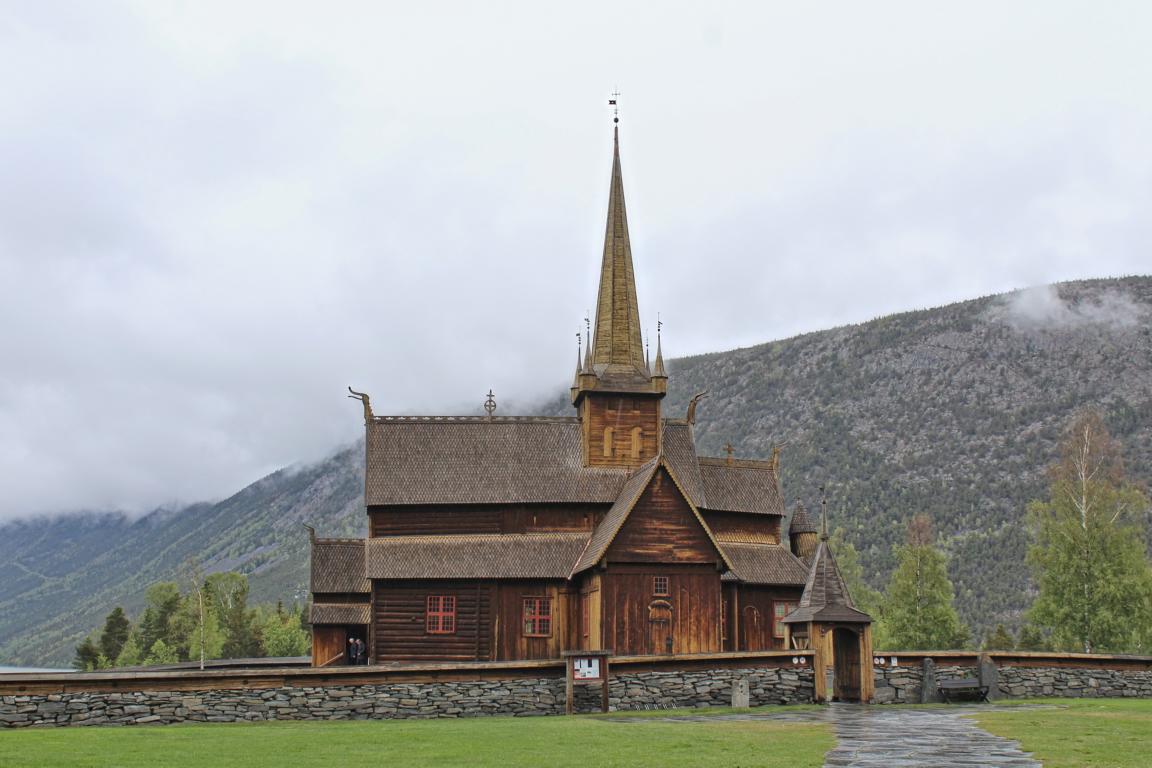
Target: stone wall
(519, 697)
(902, 684)
(1028, 682)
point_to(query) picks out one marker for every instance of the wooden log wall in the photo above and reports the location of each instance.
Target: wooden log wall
(621, 413)
(744, 528)
(634, 620)
(400, 629)
(483, 518)
(662, 529)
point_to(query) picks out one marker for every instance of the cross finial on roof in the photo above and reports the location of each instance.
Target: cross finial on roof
(730, 450)
(612, 102)
(490, 404)
(823, 515)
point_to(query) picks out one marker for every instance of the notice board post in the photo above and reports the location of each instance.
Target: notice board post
(585, 667)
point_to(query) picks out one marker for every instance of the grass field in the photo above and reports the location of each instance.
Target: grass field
(1079, 733)
(494, 741)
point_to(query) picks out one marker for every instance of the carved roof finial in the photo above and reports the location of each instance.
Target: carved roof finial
(490, 404)
(729, 449)
(696, 398)
(363, 398)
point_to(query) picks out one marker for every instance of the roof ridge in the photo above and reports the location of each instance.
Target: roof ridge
(761, 465)
(480, 536)
(475, 419)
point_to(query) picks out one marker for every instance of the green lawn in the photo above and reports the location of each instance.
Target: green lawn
(582, 741)
(1079, 733)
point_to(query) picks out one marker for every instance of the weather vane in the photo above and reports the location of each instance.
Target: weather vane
(615, 107)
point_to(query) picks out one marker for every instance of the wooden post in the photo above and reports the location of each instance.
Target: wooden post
(604, 686)
(569, 687)
(592, 661)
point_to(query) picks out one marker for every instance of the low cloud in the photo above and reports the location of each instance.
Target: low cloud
(1042, 307)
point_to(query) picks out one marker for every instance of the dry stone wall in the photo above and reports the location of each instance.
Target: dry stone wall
(519, 697)
(902, 684)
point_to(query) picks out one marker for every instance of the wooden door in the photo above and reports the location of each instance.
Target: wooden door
(846, 653)
(660, 630)
(752, 625)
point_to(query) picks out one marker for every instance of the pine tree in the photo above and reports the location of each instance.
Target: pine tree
(87, 655)
(1000, 640)
(130, 655)
(160, 653)
(918, 611)
(115, 634)
(155, 624)
(1088, 555)
(1031, 639)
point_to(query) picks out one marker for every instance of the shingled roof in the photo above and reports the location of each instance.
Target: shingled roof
(339, 613)
(475, 556)
(338, 566)
(474, 460)
(768, 564)
(826, 595)
(741, 486)
(802, 522)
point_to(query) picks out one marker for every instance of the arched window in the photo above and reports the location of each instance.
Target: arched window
(637, 441)
(609, 438)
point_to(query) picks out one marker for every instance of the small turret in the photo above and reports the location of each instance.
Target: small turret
(803, 535)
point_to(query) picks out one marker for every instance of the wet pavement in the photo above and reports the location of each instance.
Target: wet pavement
(902, 737)
(898, 736)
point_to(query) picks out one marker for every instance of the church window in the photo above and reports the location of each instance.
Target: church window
(637, 441)
(660, 586)
(538, 616)
(609, 438)
(440, 615)
(780, 609)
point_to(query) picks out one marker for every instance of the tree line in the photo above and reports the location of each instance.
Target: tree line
(211, 619)
(1087, 551)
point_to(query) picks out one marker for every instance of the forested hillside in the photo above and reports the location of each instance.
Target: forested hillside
(954, 411)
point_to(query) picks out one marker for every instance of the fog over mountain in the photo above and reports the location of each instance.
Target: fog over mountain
(215, 216)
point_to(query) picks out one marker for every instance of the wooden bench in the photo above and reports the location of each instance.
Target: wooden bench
(963, 686)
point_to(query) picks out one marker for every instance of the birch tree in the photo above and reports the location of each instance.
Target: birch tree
(1088, 552)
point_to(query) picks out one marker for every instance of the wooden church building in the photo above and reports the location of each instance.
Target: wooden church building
(509, 538)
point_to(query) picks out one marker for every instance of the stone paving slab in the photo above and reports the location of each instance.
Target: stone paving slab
(896, 737)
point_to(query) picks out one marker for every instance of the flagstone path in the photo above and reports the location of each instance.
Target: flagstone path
(899, 737)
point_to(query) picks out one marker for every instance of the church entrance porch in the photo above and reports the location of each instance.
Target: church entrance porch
(846, 665)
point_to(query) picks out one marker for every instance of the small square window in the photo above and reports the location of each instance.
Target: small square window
(440, 615)
(538, 616)
(660, 586)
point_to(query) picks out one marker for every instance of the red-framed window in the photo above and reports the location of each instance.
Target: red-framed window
(660, 586)
(780, 609)
(440, 615)
(538, 617)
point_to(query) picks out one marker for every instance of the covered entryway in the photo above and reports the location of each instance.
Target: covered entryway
(846, 663)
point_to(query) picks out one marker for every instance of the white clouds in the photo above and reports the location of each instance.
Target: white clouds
(1041, 307)
(215, 216)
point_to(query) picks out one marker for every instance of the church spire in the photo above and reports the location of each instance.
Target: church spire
(616, 347)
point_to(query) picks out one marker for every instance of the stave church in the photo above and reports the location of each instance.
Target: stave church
(509, 538)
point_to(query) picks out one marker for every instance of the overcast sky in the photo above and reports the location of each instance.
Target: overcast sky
(215, 216)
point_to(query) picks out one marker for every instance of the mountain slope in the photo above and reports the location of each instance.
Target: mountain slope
(954, 411)
(60, 577)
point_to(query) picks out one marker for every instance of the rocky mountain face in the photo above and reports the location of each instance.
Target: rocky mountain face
(955, 411)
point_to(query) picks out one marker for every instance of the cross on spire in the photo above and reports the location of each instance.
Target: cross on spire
(729, 450)
(612, 102)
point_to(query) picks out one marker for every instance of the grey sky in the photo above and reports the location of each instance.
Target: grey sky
(215, 216)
